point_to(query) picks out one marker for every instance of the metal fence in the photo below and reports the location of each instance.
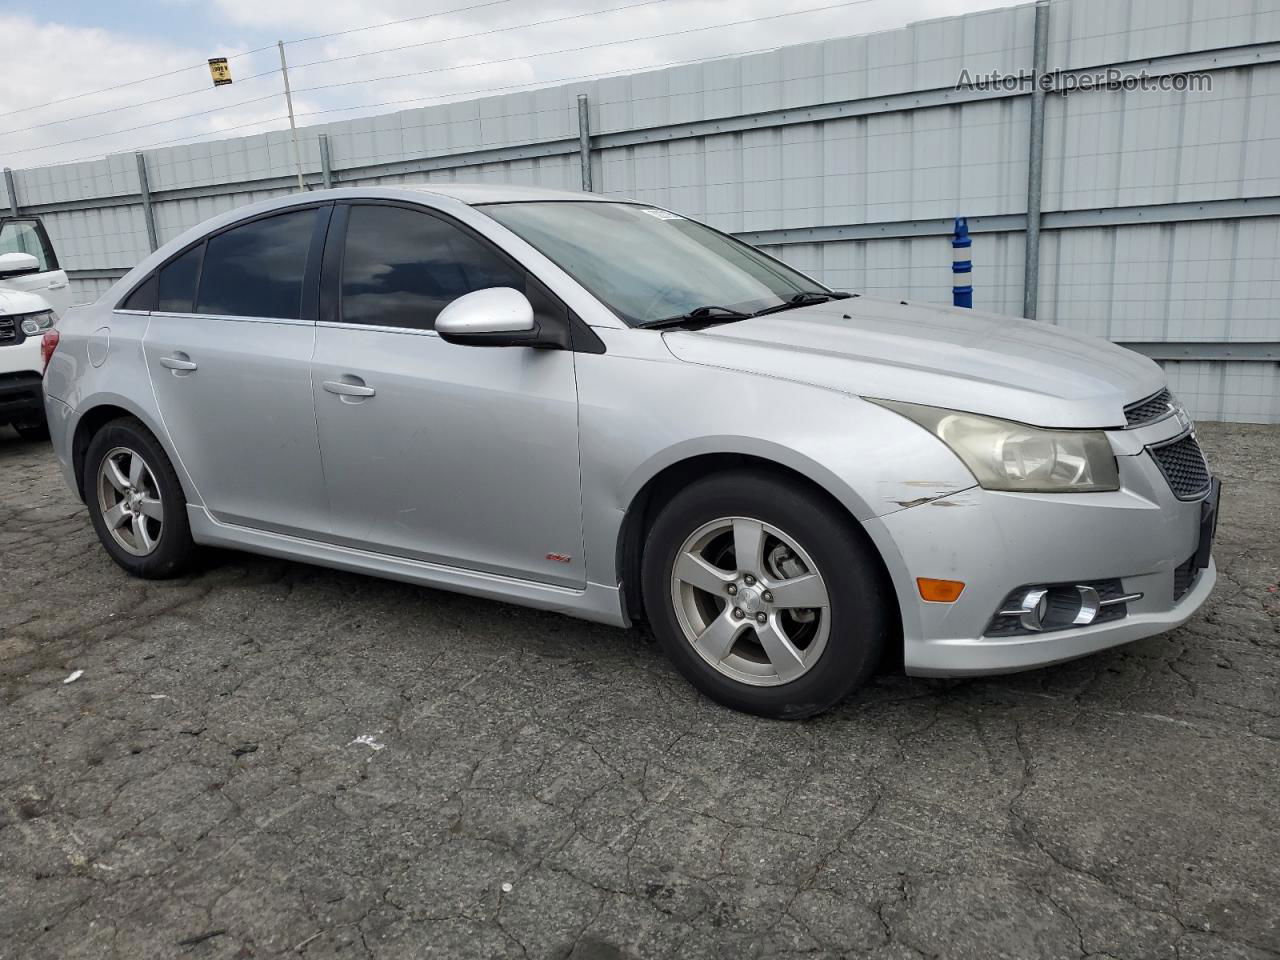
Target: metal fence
(1156, 214)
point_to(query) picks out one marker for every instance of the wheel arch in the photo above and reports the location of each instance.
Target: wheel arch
(651, 494)
(97, 415)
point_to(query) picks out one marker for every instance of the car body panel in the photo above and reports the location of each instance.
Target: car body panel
(480, 433)
(256, 460)
(50, 284)
(963, 359)
(554, 448)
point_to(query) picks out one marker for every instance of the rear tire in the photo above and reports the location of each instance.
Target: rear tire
(136, 502)
(740, 630)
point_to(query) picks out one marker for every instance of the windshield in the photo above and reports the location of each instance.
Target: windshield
(648, 265)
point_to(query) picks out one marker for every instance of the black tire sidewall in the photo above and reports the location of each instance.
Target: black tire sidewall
(860, 619)
(176, 547)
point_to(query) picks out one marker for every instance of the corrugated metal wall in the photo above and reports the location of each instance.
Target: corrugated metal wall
(849, 158)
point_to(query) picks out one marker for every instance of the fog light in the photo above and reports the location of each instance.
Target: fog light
(1052, 608)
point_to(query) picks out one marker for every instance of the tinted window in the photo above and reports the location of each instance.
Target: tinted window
(402, 267)
(143, 296)
(178, 282)
(257, 270)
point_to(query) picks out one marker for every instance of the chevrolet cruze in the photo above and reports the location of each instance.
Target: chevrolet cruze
(609, 410)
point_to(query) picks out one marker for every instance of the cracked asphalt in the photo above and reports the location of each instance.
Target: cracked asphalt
(271, 759)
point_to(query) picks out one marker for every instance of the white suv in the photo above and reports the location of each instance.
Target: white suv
(33, 294)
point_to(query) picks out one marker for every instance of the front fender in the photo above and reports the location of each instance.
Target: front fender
(642, 414)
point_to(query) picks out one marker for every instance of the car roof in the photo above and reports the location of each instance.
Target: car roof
(473, 193)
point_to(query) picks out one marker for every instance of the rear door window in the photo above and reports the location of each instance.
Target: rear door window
(257, 269)
(177, 284)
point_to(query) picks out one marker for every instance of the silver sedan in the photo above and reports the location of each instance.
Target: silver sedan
(607, 409)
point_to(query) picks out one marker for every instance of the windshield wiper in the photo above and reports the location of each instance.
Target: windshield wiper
(711, 313)
(804, 299)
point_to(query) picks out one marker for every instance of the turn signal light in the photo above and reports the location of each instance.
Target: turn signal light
(48, 344)
(939, 591)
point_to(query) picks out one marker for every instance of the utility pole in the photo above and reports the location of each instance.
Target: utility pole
(293, 126)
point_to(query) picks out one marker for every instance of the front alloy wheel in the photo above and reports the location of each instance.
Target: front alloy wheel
(751, 601)
(765, 593)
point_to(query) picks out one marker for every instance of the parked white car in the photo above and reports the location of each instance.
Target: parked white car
(34, 292)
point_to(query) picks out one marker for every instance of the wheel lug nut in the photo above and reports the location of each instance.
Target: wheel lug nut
(767, 597)
(732, 590)
(737, 613)
(749, 579)
(761, 618)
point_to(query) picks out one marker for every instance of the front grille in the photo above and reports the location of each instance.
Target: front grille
(1184, 577)
(8, 330)
(1183, 465)
(1011, 626)
(1153, 408)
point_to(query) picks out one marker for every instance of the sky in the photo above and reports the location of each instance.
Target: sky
(57, 52)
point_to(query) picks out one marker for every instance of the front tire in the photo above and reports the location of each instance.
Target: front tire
(136, 502)
(764, 594)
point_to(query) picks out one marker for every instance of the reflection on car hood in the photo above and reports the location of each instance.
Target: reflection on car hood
(943, 356)
(19, 301)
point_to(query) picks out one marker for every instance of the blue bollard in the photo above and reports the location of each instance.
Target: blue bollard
(961, 265)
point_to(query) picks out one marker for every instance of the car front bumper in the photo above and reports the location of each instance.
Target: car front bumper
(997, 542)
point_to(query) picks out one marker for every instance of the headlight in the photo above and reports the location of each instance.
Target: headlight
(34, 323)
(1003, 455)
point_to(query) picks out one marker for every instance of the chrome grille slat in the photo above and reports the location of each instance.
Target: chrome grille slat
(1183, 465)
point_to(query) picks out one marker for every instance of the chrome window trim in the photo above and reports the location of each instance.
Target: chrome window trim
(232, 318)
(376, 328)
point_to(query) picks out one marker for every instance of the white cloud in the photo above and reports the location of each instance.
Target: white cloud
(128, 117)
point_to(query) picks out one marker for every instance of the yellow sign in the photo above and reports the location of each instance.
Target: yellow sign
(220, 72)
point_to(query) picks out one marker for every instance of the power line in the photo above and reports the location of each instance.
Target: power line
(197, 66)
(268, 73)
(143, 126)
(395, 23)
(587, 46)
(545, 53)
(126, 83)
(482, 33)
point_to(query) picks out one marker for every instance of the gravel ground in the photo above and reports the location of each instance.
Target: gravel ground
(273, 759)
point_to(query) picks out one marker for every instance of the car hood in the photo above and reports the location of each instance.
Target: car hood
(942, 356)
(19, 301)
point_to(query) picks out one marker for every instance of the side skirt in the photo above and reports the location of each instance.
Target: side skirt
(598, 602)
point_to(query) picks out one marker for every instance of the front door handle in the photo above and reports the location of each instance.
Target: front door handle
(345, 388)
(179, 361)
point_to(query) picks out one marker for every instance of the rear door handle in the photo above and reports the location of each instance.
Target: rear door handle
(58, 286)
(345, 389)
(180, 361)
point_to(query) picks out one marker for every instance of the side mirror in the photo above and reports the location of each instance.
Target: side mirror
(16, 264)
(496, 317)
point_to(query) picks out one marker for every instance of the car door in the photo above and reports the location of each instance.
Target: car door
(228, 349)
(27, 235)
(461, 455)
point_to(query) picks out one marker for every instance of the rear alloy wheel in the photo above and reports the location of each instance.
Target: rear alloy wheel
(765, 594)
(136, 502)
(130, 501)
